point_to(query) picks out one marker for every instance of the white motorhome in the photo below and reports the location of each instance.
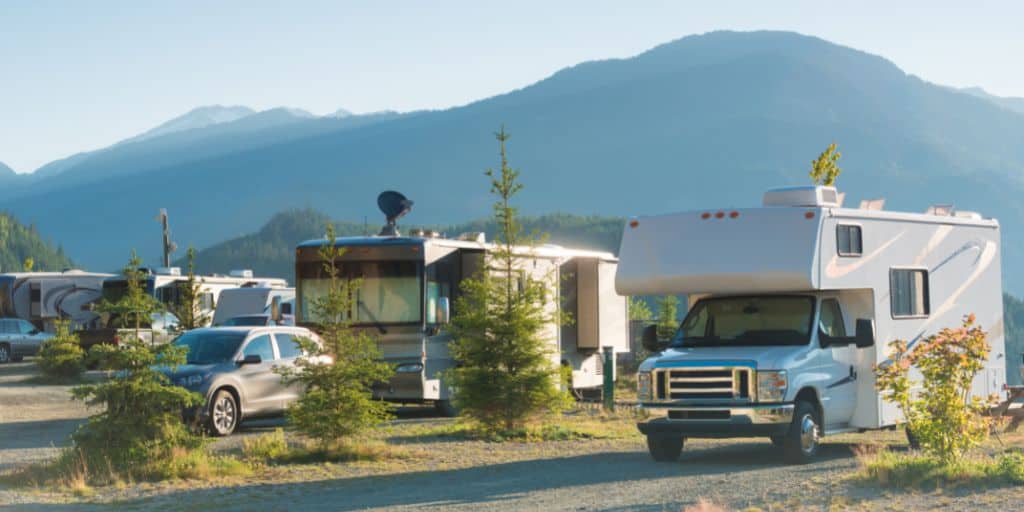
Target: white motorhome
(791, 307)
(255, 301)
(41, 297)
(408, 283)
(165, 284)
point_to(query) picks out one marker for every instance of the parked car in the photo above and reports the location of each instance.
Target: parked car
(257, 320)
(233, 368)
(19, 339)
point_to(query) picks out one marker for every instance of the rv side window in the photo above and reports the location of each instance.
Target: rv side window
(909, 293)
(849, 240)
(206, 301)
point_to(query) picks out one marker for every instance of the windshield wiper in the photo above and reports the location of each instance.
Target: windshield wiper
(373, 318)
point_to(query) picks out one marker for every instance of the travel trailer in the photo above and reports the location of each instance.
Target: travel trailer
(255, 301)
(166, 284)
(409, 283)
(792, 305)
(41, 297)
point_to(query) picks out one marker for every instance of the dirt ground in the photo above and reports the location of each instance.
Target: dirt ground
(444, 473)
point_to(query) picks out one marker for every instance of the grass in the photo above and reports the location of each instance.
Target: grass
(565, 428)
(274, 449)
(916, 470)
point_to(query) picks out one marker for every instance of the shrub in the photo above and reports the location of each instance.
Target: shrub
(265, 448)
(944, 417)
(61, 356)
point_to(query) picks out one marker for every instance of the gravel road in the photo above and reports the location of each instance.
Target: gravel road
(451, 474)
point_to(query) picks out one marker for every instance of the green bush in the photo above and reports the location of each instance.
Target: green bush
(61, 356)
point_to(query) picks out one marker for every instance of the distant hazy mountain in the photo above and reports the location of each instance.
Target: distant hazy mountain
(706, 121)
(6, 172)
(196, 118)
(1014, 104)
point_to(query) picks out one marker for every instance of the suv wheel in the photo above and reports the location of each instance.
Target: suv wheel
(5, 353)
(665, 449)
(800, 445)
(224, 414)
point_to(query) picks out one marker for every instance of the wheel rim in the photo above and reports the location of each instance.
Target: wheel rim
(224, 415)
(808, 434)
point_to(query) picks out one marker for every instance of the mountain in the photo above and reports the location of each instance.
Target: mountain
(1014, 104)
(196, 118)
(702, 122)
(19, 242)
(6, 173)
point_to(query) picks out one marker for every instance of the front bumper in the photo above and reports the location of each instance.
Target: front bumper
(717, 422)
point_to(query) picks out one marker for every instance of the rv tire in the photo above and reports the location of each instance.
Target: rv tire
(446, 408)
(5, 353)
(665, 448)
(778, 441)
(800, 445)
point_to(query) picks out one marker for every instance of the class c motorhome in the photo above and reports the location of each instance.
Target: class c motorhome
(409, 283)
(792, 305)
(41, 297)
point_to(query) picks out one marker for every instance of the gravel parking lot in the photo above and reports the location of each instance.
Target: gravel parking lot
(454, 474)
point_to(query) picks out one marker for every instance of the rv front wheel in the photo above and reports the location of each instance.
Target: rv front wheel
(5, 353)
(800, 445)
(446, 408)
(665, 449)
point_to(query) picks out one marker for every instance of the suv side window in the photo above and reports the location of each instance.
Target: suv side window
(260, 346)
(287, 346)
(831, 322)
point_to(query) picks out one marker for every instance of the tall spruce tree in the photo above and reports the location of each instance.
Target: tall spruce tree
(505, 374)
(188, 308)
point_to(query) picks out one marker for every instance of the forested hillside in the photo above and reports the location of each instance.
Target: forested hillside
(19, 242)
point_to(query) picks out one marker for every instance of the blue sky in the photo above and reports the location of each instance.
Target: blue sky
(76, 76)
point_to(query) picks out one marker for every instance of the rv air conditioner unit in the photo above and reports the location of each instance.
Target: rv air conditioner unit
(825, 197)
(244, 274)
(474, 236)
(168, 271)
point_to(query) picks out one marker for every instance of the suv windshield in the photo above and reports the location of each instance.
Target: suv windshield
(745, 321)
(210, 347)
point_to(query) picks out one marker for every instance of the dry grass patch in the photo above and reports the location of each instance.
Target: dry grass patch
(567, 428)
(275, 449)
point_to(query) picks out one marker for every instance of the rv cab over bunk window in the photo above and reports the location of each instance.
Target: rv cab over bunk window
(848, 240)
(908, 293)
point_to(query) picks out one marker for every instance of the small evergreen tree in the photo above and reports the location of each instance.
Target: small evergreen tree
(668, 311)
(28, 264)
(505, 374)
(61, 356)
(337, 375)
(188, 307)
(825, 169)
(639, 311)
(135, 307)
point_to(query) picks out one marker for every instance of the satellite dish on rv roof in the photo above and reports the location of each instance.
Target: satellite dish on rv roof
(394, 205)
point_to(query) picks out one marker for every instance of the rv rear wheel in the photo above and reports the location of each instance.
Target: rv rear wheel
(800, 445)
(665, 449)
(5, 353)
(778, 441)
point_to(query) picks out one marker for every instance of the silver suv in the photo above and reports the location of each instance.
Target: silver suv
(234, 369)
(19, 339)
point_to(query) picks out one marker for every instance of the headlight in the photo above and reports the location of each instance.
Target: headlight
(771, 385)
(643, 386)
(191, 381)
(409, 368)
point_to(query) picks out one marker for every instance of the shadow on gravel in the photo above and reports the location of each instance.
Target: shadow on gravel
(20, 435)
(21, 369)
(490, 484)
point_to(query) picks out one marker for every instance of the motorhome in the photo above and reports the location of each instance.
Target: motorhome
(791, 307)
(407, 285)
(42, 297)
(255, 301)
(166, 284)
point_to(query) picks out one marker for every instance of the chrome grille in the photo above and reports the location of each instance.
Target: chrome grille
(707, 383)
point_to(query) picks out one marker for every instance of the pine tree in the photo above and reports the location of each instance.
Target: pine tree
(668, 321)
(61, 355)
(505, 374)
(338, 374)
(825, 169)
(188, 308)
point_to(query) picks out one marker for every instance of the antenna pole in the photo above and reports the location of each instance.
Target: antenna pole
(167, 237)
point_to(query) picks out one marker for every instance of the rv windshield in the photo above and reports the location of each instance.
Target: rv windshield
(389, 291)
(747, 321)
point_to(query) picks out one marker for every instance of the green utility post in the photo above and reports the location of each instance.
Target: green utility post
(609, 378)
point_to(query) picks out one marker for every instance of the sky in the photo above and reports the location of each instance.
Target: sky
(77, 76)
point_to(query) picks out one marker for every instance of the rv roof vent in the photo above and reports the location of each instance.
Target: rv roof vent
(473, 236)
(425, 233)
(168, 271)
(873, 204)
(244, 274)
(967, 215)
(942, 210)
(802, 196)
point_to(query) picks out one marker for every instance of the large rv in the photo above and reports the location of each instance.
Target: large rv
(407, 283)
(41, 297)
(165, 284)
(255, 302)
(791, 306)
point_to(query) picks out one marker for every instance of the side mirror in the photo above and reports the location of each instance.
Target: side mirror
(275, 309)
(444, 311)
(649, 339)
(250, 359)
(865, 334)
